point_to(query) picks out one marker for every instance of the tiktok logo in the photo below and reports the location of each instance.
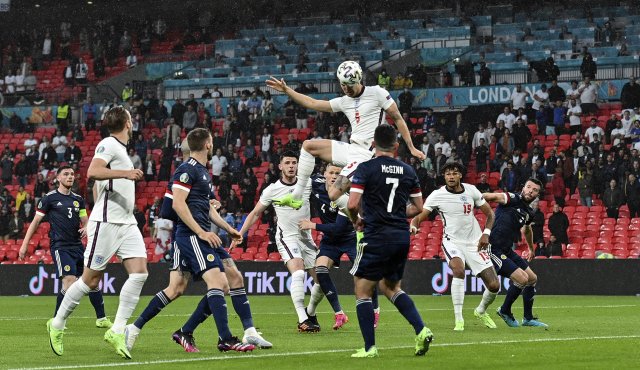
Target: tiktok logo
(440, 281)
(36, 284)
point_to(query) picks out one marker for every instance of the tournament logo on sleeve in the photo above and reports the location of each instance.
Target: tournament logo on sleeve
(184, 177)
(100, 149)
(76, 203)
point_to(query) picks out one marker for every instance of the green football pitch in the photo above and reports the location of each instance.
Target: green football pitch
(585, 332)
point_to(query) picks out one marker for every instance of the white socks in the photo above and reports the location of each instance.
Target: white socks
(487, 299)
(316, 297)
(457, 296)
(297, 294)
(129, 297)
(306, 163)
(75, 292)
(251, 332)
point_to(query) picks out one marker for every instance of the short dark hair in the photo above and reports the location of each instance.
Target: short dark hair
(62, 168)
(116, 118)
(385, 137)
(453, 166)
(535, 181)
(197, 138)
(288, 153)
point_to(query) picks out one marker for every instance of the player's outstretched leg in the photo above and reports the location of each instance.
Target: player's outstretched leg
(505, 310)
(129, 297)
(97, 301)
(528, 295)
(218, 307)
(481, 311)
(407, 308)
(243, 309)
(329, 290)
(157, 303)
(70, 301)
(316, 296)
(184, 335)
(306, 164)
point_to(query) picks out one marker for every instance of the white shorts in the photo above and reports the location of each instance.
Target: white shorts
(305, 249)
(468, 252)
(106, 240)
(349, 156)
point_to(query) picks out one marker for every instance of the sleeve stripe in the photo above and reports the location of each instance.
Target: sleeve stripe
(181, 187)
(357, 190)
(182, 184)
(40, 213)
(415, 195)
(416, 190)
(168, 195)
(507, 198)
(357, 186)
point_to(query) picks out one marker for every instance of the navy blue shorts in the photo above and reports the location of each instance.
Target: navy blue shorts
(335, 252)
(375, 262)
(506, 261)
(68, 261)
(175, 257)
(197, 256)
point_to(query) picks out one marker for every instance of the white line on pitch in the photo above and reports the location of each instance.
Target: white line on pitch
(268, 355)
(9, 318)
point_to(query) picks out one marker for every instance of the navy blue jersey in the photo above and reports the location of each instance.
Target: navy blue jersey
(64, 213)
(386, 185)
(328, 213)
(510, 218)
(193, 177)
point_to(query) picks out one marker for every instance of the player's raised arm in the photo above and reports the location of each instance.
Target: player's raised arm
(98, 170)
(414, 226)
(500, 198)
(304, 100)
(395, 115)
(339, 188)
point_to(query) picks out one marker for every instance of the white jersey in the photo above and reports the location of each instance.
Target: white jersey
(116, 197)
(288, 218)
(456, 210)
(365, 112)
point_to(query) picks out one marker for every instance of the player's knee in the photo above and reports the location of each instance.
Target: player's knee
(493, 286)
(520, 278)
(235, 278)
(458, 272)
(93, 282)
(138, 278)
(532, 278)
(67, 281)
(308, 146)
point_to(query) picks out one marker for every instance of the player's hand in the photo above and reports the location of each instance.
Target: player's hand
(359, 224)
(83, 232)
(278, 85)
(531, 254)
(135, 175)
(418, 154)
(215, 204)
(413, 228)
(306, 225)
(483, 243)
(210, 238)
(234, 243)
(235, 235)
(23, 252)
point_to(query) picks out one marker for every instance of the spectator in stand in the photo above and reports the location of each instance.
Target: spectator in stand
(554, 247)
(521, 135)
(485, 74)
(507, 117)
(7, 170)
(21, 195)
(519, 98)
(62, 116)
(132, 60)
(189, 119)
(630, 95)
(27, 209)
(537, 224)
(405, 100)
(588, 68)
(509, 180)
(480, 134)
(429, 120)
(612, 199)
(507, 143)
(150, 168)
(398, 82)
(81, 72)
(89, 109)
(558, 187)
(588, 97)
(218, 164)
(594, 130)
(59, 143)
(72, 154)
(439, 161)
(235, 169)
(483, 186)
(248, 190)
(556, 92)
(16, 226)
(445, 147)
(574, 112)
(135, 159)
(172, 133)
(559, 224)
(631, 191)
(559, 115)
(127, 92)
(233, 202)
(540, 102)
(384, 80)
(481, 152)
(585, 184)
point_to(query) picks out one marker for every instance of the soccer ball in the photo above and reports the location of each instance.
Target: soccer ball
(349, 73)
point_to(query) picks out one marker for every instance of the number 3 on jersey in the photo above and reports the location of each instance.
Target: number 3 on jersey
(392, 195)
